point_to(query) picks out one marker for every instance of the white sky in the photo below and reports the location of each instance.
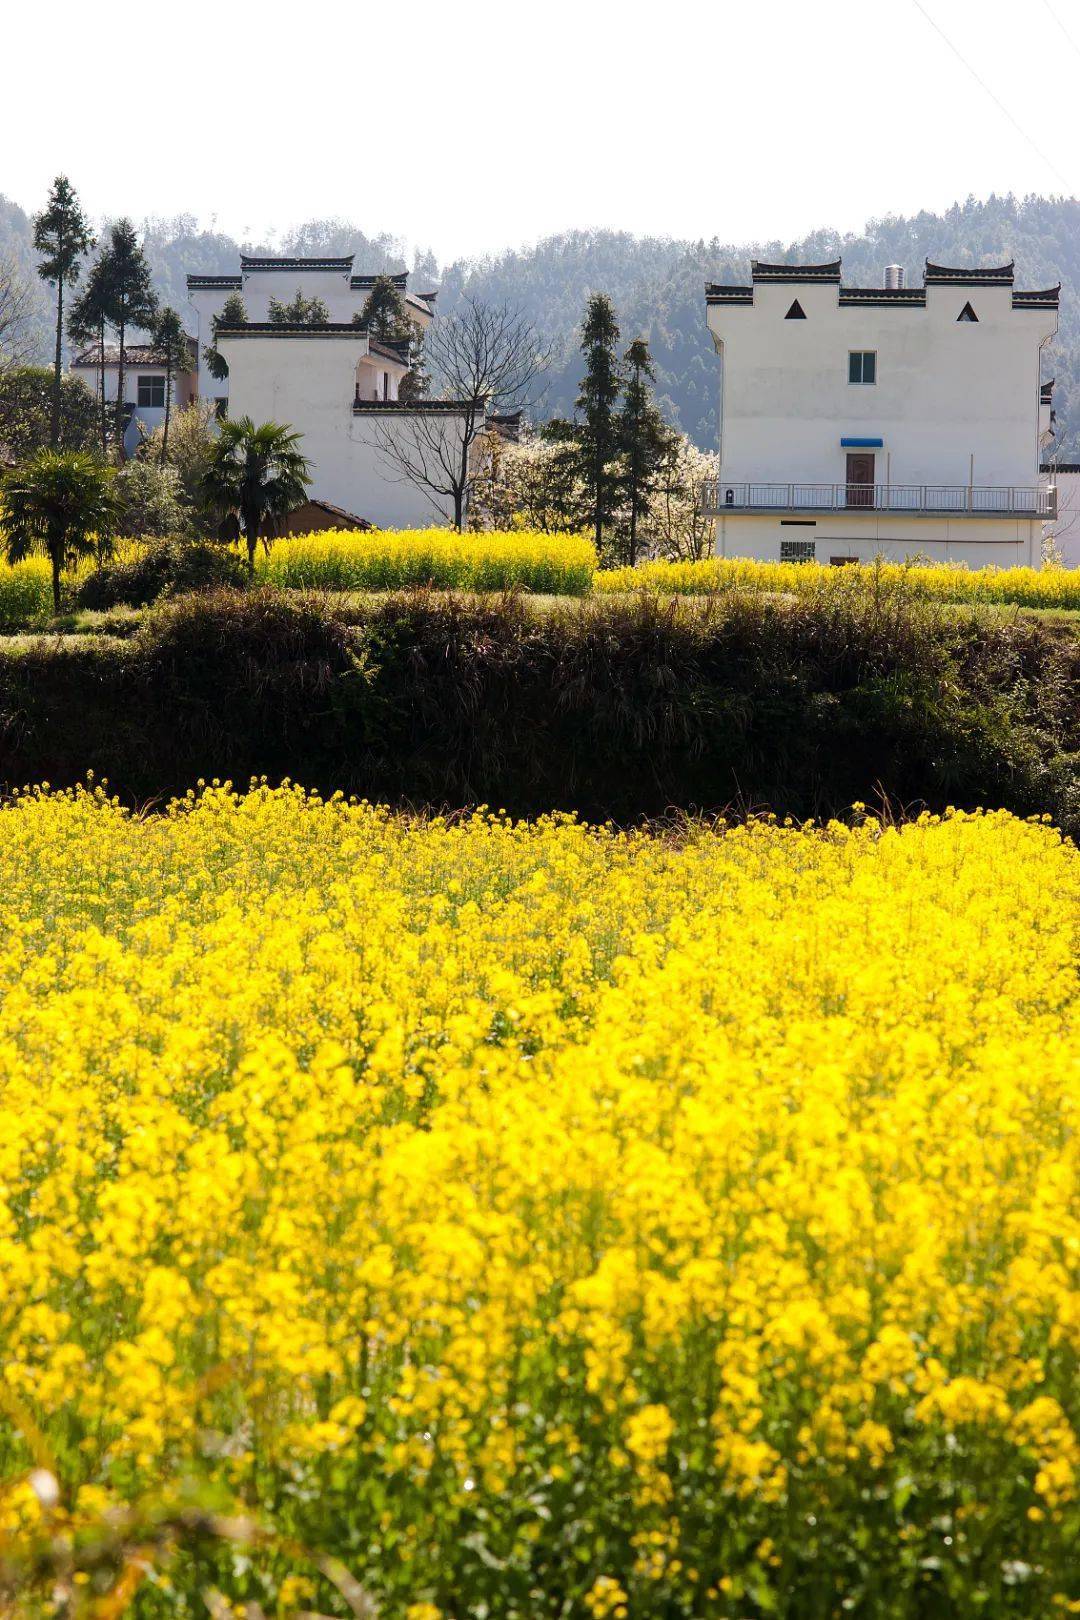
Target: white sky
(481, 126)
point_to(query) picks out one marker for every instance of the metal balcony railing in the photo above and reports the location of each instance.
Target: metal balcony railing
(718, 497)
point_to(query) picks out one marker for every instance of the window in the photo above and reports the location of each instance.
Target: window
(967, 314)
(796, 312)
(862, 366)
(386, 385)
(798, 550)
(221, 407)
(152, 392)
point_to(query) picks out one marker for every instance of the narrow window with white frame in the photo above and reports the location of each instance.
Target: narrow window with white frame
(862, 366)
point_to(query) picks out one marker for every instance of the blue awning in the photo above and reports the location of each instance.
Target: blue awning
(862, 444)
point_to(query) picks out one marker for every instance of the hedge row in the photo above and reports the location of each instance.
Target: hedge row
(611, 708)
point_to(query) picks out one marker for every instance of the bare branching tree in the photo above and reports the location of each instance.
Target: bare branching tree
(483, 359)
(15, 311)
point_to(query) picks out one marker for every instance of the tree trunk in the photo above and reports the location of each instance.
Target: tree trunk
(120, 450)
(54, 427)
(168, 403)
(633, 525)
(101, 391)
(252, 544)
(55, 559)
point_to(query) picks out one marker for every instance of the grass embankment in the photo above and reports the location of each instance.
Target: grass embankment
(609, 706)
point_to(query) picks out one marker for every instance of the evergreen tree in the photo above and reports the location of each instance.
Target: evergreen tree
(131, 302)
(61, 236)
(591, 443)
(87, 323)
(233, 312)
(644, 439)
(300, 311)
(385, 318)
(171, 343)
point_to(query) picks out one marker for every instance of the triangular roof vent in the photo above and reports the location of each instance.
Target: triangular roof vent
(796, 312)
(967, 314)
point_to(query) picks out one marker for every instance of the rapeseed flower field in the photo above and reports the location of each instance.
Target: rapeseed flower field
(558, 564)
(1056, 588)
(443, 1219)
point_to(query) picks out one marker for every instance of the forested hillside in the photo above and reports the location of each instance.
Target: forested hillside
(657, 284)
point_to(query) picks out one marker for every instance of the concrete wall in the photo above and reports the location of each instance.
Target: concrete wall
(1066, 531)
(150, 416)
(953, 400)
(976, 542)
(258, 287)
(309, 382)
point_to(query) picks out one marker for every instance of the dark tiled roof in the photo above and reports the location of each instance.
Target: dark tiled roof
(882, 295)
(135, 354)
(195, 283)
(423, 407)
(980, 276)
(717, 293)
(342, 264)
(1048, 298)
(287, 329)
(759, 271)
(429, 298)
(389, 351)
(1046, 392)
(357, 283)
(1060, 467)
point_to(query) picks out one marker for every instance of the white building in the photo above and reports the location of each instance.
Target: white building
(144, 385)
(895, 421)
(335, 384)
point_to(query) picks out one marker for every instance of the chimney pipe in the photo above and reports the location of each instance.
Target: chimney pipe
(894, 275)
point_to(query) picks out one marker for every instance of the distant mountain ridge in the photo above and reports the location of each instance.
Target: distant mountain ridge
(657, 284)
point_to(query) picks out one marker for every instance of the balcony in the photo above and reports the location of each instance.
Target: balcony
(719, 497)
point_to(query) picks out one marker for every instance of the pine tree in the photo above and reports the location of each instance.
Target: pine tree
(644, 440)
(385, 318)
(590, 444)
(131, 302)
(62, 236)
(87, 323)
(171, 344)
(233, 312)
(300, 311)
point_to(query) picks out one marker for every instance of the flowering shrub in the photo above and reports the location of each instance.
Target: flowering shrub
(481, 1218)
(1026, 587)
(561, 564)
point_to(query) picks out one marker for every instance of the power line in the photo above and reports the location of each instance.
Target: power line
(998, 103)
(1062, 26)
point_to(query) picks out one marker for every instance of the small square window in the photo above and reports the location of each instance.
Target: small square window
(862, 366)
(152, 392)
(800, 551)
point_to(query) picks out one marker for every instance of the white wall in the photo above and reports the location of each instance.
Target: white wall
(1066, 531)
(945, 390)
(150, 416)
(258, 287)
(975, 542)
(309, 383)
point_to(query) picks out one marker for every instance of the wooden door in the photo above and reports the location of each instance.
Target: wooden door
(860, 478)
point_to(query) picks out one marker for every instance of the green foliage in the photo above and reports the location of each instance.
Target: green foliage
(60, 504)
(385, 318)
(150, 500)
(167, 569)
(645, 443)
(171, 342)
(192, 437)
(61, 236)
(233, 312)
(88, 323)
(26, 400)
(299, 311)
(255, 474)
(591, 443)
(129, 300)
(612, 707)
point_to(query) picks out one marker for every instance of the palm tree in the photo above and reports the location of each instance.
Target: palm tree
(60, 504)
(255, 474)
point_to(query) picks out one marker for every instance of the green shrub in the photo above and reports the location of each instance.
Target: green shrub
(25, 594)
(168, 568)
